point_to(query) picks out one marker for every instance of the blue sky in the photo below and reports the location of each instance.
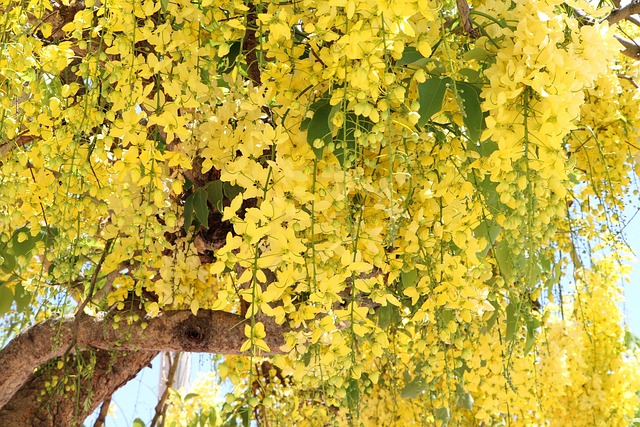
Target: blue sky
(632, 289)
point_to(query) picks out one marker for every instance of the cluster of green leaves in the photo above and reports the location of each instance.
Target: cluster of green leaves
(207, 199)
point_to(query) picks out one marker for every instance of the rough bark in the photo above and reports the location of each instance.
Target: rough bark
(32, 406)
(625, 12)
(631, 48)
(122, 348)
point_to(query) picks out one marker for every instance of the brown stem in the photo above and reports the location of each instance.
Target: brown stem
(250, 45)
(465, 18)
(629, 79)
(160, 406)
(632, 49)
(104, 410)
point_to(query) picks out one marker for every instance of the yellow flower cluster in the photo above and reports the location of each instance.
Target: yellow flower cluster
(367, 173)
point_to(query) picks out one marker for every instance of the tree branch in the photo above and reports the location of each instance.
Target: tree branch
(635, 21)
(209, 331)
(631, 48)
(465, 18)
(104, 411)
(625, 12)
(250, 45)
(161, 405)
(629, 79)
(36, 404)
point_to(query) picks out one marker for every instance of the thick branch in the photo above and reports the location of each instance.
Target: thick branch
(625, 12)
(36, 405)
(209, 331)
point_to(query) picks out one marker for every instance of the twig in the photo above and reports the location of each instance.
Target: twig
(161, 407)
(94, 277)
(630, 79)
(634, 20)
(632, 49)
(465, 19)
(20, 141)
(104, 410)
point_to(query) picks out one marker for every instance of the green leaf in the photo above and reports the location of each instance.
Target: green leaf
(8, 263)
(24, 247)
(532, 325)
(477, 54)
(502, 253)
(388, 315)
(545, 263)
(49, 234)
(215, 194)
(468, 97)
(205, 77)
(231, 422)
(492, 320)
(229, 61)
(188, 212)
(431, 94)
(484, 149)
(304, 125)
(345, 141)
(22, 297)
(533, 272)
(306, 358)
(138, 423)
(244, 414)
(490, 230)
(447, 315)
(319, 128)
(465, 400)
(472, 76)
(411, 56)
(353, 393)
(6, 299)
(443, 415)
(190, 396)
(230, 190)
(164, 4)
(200, 207)
(409, 278)
(413, 388)
(512, 320)
(213, 417)
(187, 184)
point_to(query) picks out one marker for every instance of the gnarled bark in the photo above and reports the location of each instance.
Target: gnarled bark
(30, 407)
(122, 347)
